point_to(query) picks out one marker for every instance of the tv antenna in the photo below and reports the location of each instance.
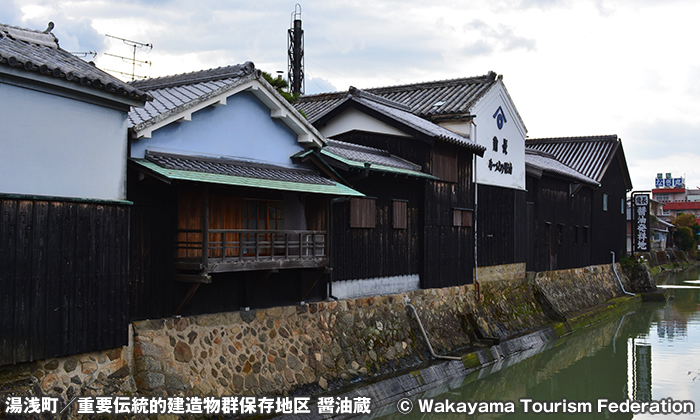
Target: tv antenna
(84, 54)
(134, 45)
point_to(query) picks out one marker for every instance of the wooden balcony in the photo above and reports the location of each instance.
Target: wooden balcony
(227, 250)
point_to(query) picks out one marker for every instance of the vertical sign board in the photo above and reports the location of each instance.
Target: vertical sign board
(501, 132)
(641, 223)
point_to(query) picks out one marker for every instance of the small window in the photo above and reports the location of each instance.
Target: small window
(400, 210)
(622, 206)
(444, 165)
(585, 235)
(605, 202)
(362, 212)
(461, 217)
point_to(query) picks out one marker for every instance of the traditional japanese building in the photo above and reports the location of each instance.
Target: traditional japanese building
(480, 111)
(440, 202)
(602, 159)
(559, 214)
(223, 217)
(64, 215)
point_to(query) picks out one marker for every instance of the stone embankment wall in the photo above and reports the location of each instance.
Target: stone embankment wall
(316, 346)
(667, 256)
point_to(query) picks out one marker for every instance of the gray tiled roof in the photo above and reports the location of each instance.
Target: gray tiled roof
(196, 77)
(38, 52)
(589, 155)
(402, 114)
(429, 99)
(234, 167)
(173, 94)
(361, 154)
(546, 162)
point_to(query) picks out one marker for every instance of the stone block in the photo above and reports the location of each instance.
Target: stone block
(182, 352)
(149, 380)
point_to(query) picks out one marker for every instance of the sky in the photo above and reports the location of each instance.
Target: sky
(572, 68)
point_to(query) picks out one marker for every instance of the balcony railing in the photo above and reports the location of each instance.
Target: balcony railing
(243, 249)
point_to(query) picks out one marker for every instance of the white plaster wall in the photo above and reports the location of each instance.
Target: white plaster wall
(350, 289)
(352, 119)
(512, 129)
(243, 128)
(55, 146)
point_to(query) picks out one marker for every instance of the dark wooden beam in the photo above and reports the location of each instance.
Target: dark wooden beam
(187, 298)
(319, 273)
(193, 278)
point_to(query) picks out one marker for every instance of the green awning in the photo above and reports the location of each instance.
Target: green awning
(376, 167)
(239, 181)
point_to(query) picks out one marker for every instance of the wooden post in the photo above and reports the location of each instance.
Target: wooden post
(205, 228)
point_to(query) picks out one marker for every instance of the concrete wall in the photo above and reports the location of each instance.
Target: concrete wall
(313, 347)
(61, 147)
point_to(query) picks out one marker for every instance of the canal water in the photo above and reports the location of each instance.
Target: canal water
(649, 354)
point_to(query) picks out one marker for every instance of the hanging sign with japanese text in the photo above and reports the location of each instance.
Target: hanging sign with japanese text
(641, 238)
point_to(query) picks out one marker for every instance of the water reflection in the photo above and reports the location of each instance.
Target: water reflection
(649, 354)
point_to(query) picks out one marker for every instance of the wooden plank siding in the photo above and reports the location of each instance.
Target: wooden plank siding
(501, 226)
(567, 219)
(449, 246)
(152, 291)
(63, 273)
(608, 228)
(381, 251)
(444, 252)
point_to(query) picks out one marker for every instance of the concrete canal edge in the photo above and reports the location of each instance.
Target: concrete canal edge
(323, 347)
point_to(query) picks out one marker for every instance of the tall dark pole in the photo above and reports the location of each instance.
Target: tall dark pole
(296, 53)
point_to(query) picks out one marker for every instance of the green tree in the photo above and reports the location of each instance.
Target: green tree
(684, 238)
(684, 219)
(282, 86)
(685, 235)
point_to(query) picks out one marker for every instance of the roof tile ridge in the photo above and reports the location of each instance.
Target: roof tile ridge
(358, 147)
(322, 96)
(490, 77)
(151, 155)
(378, 99)
(32, 36)
(574, 139)
(198, 76)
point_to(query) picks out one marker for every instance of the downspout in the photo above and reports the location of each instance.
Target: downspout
(477, 285)
(618, 277)
(425, 336)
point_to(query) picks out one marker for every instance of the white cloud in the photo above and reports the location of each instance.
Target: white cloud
(572, 67)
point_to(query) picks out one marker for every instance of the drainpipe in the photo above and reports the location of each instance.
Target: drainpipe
(477, 285)
(425, 336)
(618, 277)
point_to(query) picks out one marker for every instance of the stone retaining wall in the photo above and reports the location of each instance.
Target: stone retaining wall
(316, 346)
